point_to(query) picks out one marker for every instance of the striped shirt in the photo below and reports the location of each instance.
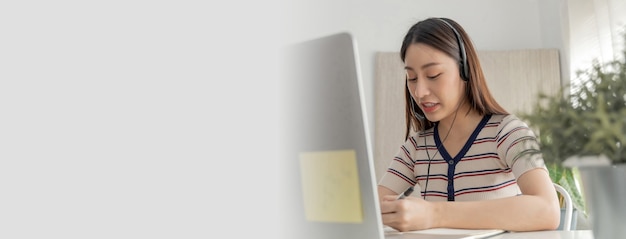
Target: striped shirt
(498, 152)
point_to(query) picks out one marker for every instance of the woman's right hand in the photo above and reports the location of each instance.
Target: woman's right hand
(408, 214)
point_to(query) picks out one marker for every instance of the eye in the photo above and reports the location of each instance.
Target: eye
(411, 76)
(434, 76)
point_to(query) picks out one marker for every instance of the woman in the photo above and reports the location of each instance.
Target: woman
(472, 165)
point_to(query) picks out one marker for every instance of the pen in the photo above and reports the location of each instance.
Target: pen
(405, 193)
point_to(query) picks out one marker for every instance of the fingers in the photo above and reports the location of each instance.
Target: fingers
(387, 207)
(390, 197)
(391, 204)
(394, 220)
(403, 215)
(390, 216)
(389, 219)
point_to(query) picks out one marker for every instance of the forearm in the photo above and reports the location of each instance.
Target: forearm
(518, 213)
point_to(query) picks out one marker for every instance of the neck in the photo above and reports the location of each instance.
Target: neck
(464, 123)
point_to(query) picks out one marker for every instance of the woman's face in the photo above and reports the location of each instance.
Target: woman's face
(434, 81)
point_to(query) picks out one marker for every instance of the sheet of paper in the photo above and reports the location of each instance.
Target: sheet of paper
(330, 186)
(445, 233)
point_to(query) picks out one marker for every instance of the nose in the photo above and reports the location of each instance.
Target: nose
(420, 89)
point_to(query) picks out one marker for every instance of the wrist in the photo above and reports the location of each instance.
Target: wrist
(439, 212)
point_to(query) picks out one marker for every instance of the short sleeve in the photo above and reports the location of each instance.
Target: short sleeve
(517, 145)
(400, 172)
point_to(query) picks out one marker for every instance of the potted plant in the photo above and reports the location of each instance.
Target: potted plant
(549, 118)
(584, 130)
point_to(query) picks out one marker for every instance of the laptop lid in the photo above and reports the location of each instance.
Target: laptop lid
(330, 186)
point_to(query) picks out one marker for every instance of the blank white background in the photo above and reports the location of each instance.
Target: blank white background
(137, 119)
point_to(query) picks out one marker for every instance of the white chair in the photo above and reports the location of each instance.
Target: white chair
(567, 218)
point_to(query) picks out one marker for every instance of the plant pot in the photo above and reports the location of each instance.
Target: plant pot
(604, 189)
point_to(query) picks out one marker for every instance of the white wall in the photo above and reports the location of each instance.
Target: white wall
(381, 25)
(133, 118)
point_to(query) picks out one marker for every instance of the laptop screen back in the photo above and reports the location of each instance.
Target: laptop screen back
(330, 187)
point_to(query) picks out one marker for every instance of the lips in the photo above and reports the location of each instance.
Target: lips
(429, 107)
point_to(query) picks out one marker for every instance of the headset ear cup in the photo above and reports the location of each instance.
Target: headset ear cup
(463, 68)
(464, 72)
(464, 65)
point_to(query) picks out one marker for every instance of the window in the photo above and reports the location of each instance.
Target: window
(596, 32)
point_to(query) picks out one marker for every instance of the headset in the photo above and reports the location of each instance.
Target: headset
(464, 66)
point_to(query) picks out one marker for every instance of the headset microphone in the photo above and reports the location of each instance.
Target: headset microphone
(417, 115)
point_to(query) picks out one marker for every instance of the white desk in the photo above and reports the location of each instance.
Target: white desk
(555, 234)
(580, 234)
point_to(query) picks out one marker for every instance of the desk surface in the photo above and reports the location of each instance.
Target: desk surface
(580, 234)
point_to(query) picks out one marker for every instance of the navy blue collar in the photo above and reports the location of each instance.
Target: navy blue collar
(453, 161)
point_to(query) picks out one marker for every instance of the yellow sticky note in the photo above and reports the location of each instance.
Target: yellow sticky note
(330, 186)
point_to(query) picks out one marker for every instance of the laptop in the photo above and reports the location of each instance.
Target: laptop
(330, 190)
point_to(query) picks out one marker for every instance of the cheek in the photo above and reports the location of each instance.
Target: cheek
(411, 87)
(454, 90)
(461, 91)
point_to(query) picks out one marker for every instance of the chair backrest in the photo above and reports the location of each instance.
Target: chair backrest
(567, 218)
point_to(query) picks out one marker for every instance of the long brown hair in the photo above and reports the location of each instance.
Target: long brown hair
(435, 33)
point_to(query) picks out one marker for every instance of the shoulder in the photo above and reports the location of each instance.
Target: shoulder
(419, 138)
(509, 124)
(421, 134)
(506, 119)
(509, 121)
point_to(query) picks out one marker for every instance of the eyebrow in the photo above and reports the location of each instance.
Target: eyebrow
(423, 67)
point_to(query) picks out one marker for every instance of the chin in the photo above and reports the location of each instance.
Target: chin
(432, 118)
